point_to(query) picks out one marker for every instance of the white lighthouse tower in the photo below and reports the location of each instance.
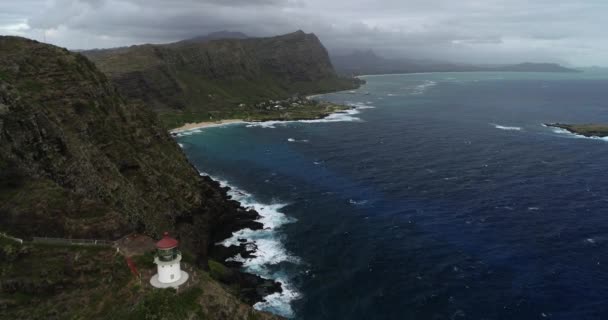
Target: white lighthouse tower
(167, 261)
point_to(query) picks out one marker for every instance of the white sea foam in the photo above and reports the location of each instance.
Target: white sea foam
(361, 105)
(357, 202)
(507, 128)
(268, 249)
(574, 135)
(192, 131)
(180, 145)
(291, 140)
(421, 88)
(295, 140)
(340, 116)
(279, 302)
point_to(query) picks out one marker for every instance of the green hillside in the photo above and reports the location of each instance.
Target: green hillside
(196, 81)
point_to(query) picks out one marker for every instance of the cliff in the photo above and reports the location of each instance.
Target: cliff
(202, 80)
(77, 160)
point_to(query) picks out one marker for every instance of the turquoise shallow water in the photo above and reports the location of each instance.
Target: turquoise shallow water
(441, 197)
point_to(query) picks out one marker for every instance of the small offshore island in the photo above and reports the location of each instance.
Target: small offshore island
(587, 130)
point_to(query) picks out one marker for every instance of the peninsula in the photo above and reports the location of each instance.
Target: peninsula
(587, 130)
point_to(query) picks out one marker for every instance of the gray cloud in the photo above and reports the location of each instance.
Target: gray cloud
(468, 30)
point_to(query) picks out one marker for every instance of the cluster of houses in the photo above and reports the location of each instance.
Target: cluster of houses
(293, 102)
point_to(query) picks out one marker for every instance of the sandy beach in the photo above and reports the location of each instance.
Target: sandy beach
(206, 124)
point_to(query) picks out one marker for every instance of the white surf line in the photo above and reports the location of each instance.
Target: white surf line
(508, 128)
(267, 247)
(570, 134)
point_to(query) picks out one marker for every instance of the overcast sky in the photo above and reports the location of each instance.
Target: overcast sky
(479, 31)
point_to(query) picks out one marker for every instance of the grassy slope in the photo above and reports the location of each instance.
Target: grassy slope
(79, 282)
(70, 144)
(77, 160)
(588, 130)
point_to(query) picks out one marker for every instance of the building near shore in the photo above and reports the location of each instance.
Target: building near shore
(168, 262)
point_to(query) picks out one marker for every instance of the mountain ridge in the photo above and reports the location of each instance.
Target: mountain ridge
(368, 62)
(208, 80)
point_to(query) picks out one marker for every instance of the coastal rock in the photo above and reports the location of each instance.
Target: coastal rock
(587, 130)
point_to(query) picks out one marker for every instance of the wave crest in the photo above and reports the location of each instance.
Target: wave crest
(507, 128)
(268, 249)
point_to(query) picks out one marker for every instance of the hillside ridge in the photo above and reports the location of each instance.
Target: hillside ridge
(195, 81)
(77, 160)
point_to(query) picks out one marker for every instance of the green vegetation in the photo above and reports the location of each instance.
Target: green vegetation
(84, 282)
(309, 111)
(77, 160)
(587, 130)
(217, 270)
(166, 304)
(42, 281)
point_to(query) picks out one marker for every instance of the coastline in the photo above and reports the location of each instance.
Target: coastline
(590, 131)
(251, 249)
(205, 124)
(335, 116)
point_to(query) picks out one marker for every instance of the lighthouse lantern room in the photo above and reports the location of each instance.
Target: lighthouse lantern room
(167, 260)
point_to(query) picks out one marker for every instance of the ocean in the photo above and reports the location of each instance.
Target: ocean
(442, 196)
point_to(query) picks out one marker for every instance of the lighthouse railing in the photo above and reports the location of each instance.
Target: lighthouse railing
(167, 256)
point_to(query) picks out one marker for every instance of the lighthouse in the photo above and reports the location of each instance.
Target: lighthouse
(167, 260)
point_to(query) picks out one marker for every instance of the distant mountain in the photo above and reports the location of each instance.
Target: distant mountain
(532, 67)
(368, 62)
(219, 35)
(205, 79)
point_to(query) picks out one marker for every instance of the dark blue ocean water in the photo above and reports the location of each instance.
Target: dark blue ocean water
(447, 200)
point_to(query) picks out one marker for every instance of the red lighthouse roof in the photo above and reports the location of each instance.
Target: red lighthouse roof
(167, 242)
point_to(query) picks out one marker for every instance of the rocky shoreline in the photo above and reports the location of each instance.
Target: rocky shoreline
(586, 130)
(252, 288)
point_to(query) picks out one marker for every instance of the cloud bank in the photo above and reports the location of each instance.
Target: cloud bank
(478, 31)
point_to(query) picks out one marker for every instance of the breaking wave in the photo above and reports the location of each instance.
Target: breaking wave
(421, 88)
(340, 116)
(572, 134)
(268, 250)
(507, 128)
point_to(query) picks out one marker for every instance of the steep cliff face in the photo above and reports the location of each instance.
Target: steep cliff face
(77, 160)
(212, 78)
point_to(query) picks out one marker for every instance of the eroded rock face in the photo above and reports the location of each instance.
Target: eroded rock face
(78, 160)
